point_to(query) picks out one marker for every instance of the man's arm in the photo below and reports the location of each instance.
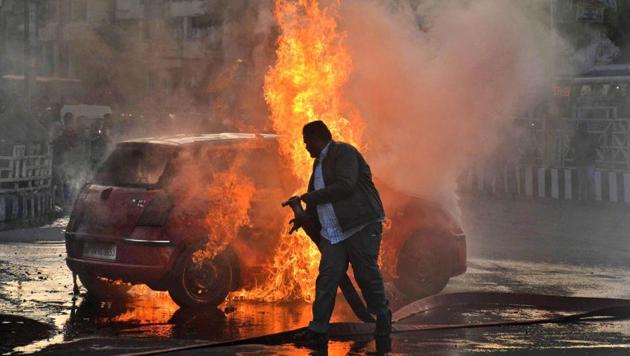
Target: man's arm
(346, 173)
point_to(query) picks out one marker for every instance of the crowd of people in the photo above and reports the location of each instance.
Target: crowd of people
(79, 145)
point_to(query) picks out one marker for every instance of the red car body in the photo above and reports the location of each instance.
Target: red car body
(130, 224)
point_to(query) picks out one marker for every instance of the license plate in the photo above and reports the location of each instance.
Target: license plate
(100, 250)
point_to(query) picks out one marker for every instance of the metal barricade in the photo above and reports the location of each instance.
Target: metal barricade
(26, 189)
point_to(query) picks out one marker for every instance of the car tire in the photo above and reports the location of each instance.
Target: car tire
(102, 288)
(423, 265)
(202, 284)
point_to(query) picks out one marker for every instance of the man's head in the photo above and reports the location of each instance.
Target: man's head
(316, 136)
(68, 120)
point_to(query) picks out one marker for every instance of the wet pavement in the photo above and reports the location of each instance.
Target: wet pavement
(503, 238)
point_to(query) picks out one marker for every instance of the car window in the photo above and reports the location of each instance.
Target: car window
(192, 166)
(134, 165)
(262, 166)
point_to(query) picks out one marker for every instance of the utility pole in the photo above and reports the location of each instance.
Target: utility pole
(28, 60)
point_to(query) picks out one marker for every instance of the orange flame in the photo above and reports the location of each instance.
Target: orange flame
(148, 306)
(230, 195)
(304, 85)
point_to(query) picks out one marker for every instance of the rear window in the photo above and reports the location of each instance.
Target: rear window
(197, 165)
(134, 165)
(169, 167)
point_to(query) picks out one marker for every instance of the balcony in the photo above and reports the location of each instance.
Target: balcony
(183, 8)
(129, 9)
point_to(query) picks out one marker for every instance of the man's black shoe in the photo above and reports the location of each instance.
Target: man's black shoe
(383, 324)
(311, 339)
(383, 344)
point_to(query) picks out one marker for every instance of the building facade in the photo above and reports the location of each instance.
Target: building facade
(169, 41)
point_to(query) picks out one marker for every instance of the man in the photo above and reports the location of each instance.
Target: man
(99, 141)
(63, 143)
(344, 202)
(585, 148)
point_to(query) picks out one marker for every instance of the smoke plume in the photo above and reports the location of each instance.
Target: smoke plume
(434, 98)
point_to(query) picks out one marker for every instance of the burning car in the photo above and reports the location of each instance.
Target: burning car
(200, 216)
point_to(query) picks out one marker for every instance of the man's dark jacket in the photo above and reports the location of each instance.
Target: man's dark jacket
(349, 188)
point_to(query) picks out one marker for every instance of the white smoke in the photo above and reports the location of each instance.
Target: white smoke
(435, 98)
(599, 50)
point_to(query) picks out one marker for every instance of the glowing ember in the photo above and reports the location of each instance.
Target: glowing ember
(304, 85)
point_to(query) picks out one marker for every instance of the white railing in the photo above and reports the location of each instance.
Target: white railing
(548, 142)
(26, 189)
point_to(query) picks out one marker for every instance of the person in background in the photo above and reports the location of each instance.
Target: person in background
(108, 125)
(99, 140)
(585, 147)
(62, 143)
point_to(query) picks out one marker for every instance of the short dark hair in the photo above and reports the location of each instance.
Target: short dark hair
(317, 129)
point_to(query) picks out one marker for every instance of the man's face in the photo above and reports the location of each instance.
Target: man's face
(313, 145)
(68, 122)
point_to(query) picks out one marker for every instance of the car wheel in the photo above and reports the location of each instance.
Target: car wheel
(103, 288)
(205, 283)
(423, 266)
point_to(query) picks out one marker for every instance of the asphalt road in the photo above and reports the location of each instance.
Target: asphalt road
(514, 246)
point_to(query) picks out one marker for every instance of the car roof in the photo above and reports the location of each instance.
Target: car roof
(184, 140)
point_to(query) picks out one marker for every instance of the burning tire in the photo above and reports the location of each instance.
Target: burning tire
(205, 283)
(103, 288)
(423, 265)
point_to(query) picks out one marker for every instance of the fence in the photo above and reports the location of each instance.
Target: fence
(545, 165)
(26, 189)
(548, 140)
(543, 182)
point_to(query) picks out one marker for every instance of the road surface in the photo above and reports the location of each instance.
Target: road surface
(558, 248)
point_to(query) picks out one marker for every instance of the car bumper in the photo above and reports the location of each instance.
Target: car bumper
(143, 257)
(126, 272)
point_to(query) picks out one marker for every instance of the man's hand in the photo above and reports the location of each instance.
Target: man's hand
(297, 223)
(300, 217)
(307, 198)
